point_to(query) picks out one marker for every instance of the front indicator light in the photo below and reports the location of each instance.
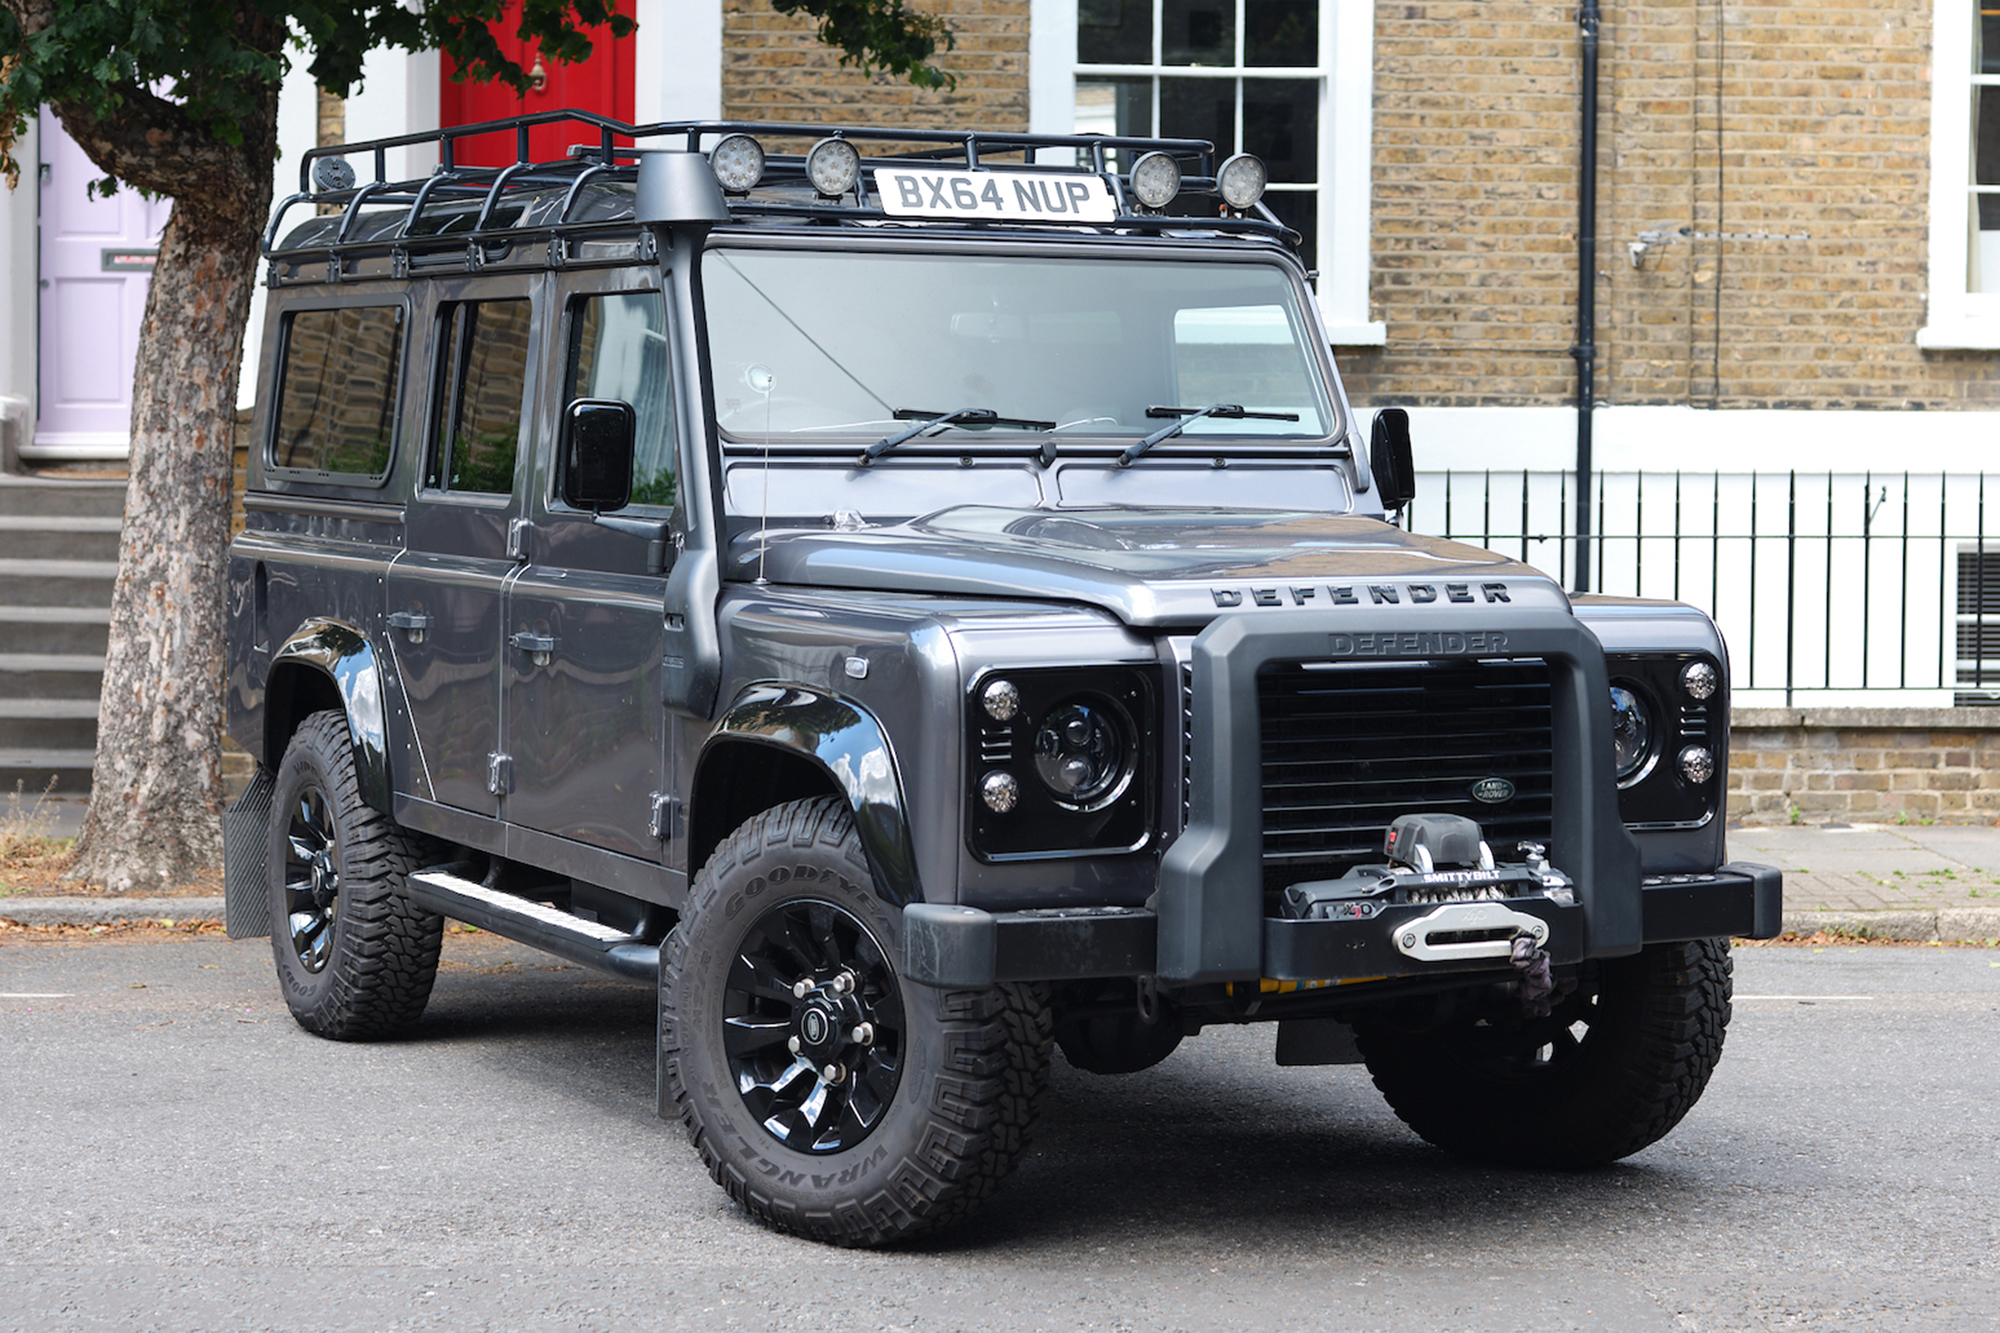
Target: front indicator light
(1697, 764)
(1699, 680)
(1002, 700)
(1000, 792)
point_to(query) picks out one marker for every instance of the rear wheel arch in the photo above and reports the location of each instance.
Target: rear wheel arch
(327, 664)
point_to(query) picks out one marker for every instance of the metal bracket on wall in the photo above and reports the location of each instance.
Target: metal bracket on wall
(1648, 239)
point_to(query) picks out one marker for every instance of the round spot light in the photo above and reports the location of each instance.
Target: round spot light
(1699, 679)
(738, 162)
(1000, 792)
(1697, 764)
(833, 166)
(1242, 181)
(1002, 700)
(1156, 179)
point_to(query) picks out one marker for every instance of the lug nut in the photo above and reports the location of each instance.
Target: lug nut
(833, 1073)
(863, 1034)
(842, 984)
(802, 989)
(792, 1044)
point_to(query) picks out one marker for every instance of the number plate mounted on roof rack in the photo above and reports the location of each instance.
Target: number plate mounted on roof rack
(1018, 196)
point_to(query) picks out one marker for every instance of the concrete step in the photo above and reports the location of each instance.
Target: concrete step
(51, 676)
(57, 582)
(29, 771)
(58, 537)
(41, 496)
(48, 724)
(55, 629)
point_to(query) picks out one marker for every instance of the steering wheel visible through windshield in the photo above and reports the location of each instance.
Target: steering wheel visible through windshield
(830, 345)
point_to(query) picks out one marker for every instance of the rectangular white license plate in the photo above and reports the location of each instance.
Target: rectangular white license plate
(1017, 196)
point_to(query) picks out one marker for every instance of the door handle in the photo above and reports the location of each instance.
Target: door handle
(539, 647)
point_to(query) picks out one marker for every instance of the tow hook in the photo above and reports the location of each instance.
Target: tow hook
(1538, 980)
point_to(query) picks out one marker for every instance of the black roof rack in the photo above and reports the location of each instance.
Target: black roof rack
(599, 158)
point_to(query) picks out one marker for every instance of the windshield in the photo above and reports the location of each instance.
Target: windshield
(832, 345)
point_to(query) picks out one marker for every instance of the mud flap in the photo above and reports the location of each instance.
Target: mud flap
(246, 882)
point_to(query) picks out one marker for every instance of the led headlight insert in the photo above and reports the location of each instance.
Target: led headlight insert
(1241, 181)
(1082, 752)
(833, 166)
(1631, 733)
(738, 162)
(1156, 179)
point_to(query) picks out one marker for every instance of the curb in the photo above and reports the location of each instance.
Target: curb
(46, 912)
(1950, 924)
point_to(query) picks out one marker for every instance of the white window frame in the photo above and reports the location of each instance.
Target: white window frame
(1346, 75)
(1958, 317)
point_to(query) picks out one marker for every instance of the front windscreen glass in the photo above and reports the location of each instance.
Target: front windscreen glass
(833, 346)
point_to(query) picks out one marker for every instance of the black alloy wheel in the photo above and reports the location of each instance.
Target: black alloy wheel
(312, 878)
(813, 1027)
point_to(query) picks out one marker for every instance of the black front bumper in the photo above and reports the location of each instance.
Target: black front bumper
(945, 945)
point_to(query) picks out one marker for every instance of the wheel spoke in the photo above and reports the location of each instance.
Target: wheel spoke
(747, 1036)
(759, 977)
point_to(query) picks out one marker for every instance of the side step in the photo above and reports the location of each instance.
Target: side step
(443, 890)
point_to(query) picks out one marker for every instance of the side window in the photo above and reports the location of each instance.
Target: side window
(337, 390)
(618, 349)
(483, 373)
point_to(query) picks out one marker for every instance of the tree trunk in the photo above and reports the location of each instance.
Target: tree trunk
(156, 790)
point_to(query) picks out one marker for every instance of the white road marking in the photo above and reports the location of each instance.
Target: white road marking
(35, 995)
(1805, 997)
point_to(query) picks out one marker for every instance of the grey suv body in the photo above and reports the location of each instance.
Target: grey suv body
(918, 625)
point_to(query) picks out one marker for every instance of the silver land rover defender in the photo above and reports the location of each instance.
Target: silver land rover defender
(921, 600)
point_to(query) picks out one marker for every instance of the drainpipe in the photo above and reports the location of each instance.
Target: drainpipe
(1585, 347)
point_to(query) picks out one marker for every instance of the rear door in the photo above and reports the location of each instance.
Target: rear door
(586, 616)
(445, 593)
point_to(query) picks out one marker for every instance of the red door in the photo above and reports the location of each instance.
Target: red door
(602, 84)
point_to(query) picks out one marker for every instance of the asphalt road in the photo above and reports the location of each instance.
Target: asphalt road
(178, 1155)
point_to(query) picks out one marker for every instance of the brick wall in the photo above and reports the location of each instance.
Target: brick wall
(1870, 766)
(775, 68)
(1722, 118)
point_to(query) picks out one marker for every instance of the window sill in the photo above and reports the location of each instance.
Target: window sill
(1970, 334)
(1374, 333)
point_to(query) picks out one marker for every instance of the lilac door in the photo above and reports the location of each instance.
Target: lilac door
(96, 266)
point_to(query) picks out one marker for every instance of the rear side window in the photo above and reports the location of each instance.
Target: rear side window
(483, 376)
(337, 390)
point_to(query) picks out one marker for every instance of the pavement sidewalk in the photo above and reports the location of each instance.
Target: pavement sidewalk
(1900, 882)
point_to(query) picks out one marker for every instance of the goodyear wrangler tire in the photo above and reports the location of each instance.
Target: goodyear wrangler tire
(828, 1096)
(1613, 1069)
(355, 959)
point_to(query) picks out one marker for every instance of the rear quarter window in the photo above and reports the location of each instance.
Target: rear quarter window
(337, 392)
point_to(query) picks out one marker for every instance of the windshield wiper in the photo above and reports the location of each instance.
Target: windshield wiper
(1190, 415)
(964, 416)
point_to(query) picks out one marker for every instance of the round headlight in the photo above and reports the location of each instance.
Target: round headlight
(1081, 753)
(1000, 792)
(1697, 764)
(1002, 700)
(1242, 181)
(738, 162)
(1699, 679)
(1631, 732)
(833, 166)
(1156, 179)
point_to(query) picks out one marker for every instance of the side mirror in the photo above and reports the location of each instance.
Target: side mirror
(598, 440)
(1389, 458)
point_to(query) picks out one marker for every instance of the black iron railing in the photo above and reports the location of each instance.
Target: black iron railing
(1847, 588)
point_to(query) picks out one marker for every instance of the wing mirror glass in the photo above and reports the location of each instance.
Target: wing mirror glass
(598, 440)
(1390, 460)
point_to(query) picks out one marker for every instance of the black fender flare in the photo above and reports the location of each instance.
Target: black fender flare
(343, 654)
(846, 742)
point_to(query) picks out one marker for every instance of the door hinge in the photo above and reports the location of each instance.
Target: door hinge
(413, 623)
(499, 773)
(666, 815)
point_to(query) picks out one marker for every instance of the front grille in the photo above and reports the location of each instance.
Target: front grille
(1346, 749)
